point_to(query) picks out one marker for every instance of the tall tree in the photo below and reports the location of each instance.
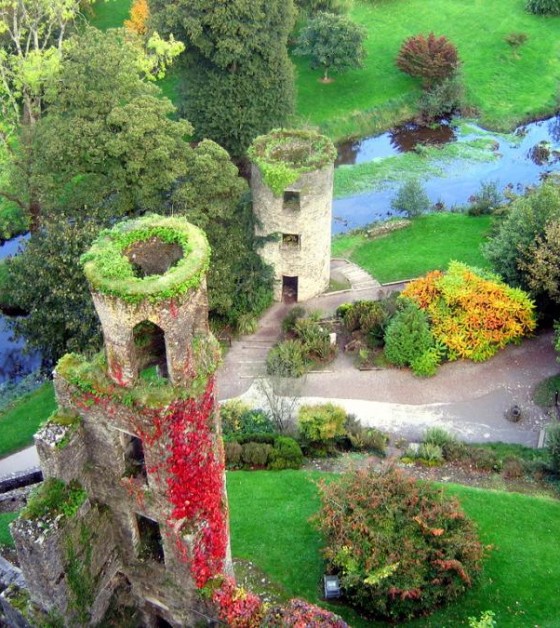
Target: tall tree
(334, 42)
(238, 77)
(107, 139)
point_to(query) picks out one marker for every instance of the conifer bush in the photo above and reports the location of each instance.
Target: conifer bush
(401, 547)
(543, 7)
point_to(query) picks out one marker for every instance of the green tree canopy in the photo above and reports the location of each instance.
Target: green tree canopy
(238, 77)
(509, 248)
(334, 42)
(107, 140)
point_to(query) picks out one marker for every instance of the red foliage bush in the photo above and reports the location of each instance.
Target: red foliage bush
(237, 607)
(430, 58)
(401, 547)
(301, 614)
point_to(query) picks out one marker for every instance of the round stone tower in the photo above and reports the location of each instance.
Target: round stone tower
(148, 283)
(292, 184)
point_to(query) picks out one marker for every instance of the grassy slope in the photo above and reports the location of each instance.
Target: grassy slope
(269, 525)
(505, 88)
(19, 423)
(5, 519)
(430, 242)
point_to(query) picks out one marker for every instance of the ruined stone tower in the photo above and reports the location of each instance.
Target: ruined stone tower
(133, 455)
(292, 184)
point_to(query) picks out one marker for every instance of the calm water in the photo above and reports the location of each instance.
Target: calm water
(14, 363)
(534, 152)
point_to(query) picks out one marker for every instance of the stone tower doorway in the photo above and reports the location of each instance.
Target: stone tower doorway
(289, 289)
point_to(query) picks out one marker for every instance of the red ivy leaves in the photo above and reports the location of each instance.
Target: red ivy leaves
(195, 482)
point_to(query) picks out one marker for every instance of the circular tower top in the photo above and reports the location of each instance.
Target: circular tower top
(152, 258)
(283, 155)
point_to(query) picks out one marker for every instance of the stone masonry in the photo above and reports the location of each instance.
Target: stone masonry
(138, 429)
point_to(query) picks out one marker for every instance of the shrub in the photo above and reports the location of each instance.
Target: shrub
(553, 447)
(472, 314)
(321, 423)
(237, 607)
(232, 451)
(286, 454)
(231, 412)
(239, 419)
(369, 439)
(454, 451)
(299, 614)
(486, 200)
(255, 454)
(438, 436)
(430, 58)
(369, 318)
(543, 7)
(411, 199)
(442, 99)
(484, 459)
(289, 321)
(408, 336)
(430, 454)
(401, 547)
(315, 339)
(286, 359)
(426, 364)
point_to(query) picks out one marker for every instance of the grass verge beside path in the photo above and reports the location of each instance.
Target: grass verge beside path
(269, 525)
(21, 421)
(5, 519)
(430, 243)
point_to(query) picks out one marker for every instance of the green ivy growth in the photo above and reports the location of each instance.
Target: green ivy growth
(110, 272)
(283, 156)
(53, 497)
(90, 377)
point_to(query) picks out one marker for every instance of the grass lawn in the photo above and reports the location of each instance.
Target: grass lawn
(5, 519)
(269, 514)
(430, 243)
(503, 86)
(109, 13)
(21, 421)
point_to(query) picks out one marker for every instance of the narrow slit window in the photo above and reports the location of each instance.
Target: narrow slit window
(291, 241)
(150, 546)
(134, 461)
(291, 200)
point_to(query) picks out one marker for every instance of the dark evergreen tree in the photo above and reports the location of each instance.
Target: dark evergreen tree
(238, 77)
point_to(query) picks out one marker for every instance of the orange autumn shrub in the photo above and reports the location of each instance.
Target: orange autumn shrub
(471, 312)
(139, 14)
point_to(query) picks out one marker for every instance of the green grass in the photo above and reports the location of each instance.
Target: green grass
(505, 88)
(5, 519)
(430, 243)
(545, 391)
(269, 525)
(21, 421)
(109, 13)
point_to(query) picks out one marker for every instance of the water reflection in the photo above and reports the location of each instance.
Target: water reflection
(523, 159)
(15, 363)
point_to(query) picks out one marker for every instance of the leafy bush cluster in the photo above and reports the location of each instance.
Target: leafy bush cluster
(543, 7)
(239, 608)
(368, 319)
(430, 58)
(409, 341)
(411, 199)
(401, 547)
(471, 313)
(307, 343)
(263, 452)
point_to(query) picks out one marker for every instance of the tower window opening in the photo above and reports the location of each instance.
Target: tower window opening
(150, 546)
(291, 200)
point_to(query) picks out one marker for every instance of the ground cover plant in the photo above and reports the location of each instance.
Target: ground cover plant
(270, 526)
(430, 242)
(19, 423)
